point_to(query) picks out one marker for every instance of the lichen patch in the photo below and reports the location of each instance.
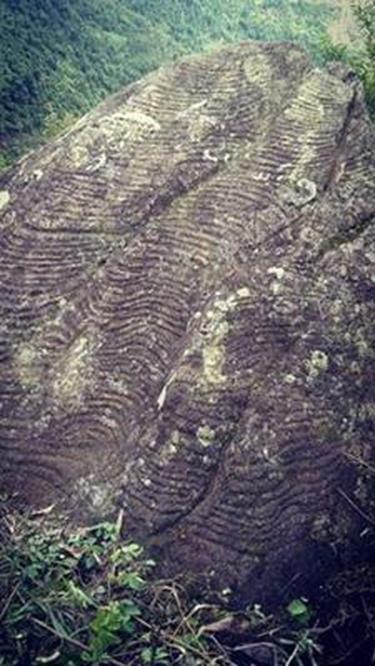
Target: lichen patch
(367, 412)
(317, 363)
(278, 272)
(99, 496)
(213, 354)
(205, 435)
(258, 69)
(4, 198)
(290, 378)
(27, 365)
(74, 372)
(306, 107)
(130, 125)
(243, 292)
(215, 328)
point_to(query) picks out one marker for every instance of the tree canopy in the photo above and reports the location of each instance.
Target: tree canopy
(60, 59)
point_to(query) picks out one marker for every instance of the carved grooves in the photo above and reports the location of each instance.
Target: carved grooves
(162, 315)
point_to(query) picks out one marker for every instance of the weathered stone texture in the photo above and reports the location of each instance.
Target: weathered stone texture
(187, 313)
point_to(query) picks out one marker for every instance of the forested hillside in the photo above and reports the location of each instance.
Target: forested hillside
(58, 59)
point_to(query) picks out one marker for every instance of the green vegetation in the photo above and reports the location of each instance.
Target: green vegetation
(364, 63)
(85, 596)
(359, 55)
(73, 597)
(59, 59)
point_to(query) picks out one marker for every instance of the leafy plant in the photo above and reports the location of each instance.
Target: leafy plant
(85, 596)
(108, 625)
(73, 597)
(73, 594)
(299, 610)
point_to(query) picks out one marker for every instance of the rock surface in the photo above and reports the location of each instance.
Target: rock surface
(187, 315)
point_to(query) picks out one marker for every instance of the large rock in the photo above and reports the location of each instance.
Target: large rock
(187, 315)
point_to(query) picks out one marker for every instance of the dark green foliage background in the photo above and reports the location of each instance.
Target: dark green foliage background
(58, 58)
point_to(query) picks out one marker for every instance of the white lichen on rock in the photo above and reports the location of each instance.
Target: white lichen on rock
(213, 353)
(74, 372)
(117, 129)
(317, 363)
(290, 378)
(99, 495)
(279, 273)
(4, 198)
(216, 328)
(205, 435)
(367, 412)
(243, 292)
(173, 443)
(257, 69)
(27, 365)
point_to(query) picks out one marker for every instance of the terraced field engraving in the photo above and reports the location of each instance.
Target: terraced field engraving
(187, 283)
